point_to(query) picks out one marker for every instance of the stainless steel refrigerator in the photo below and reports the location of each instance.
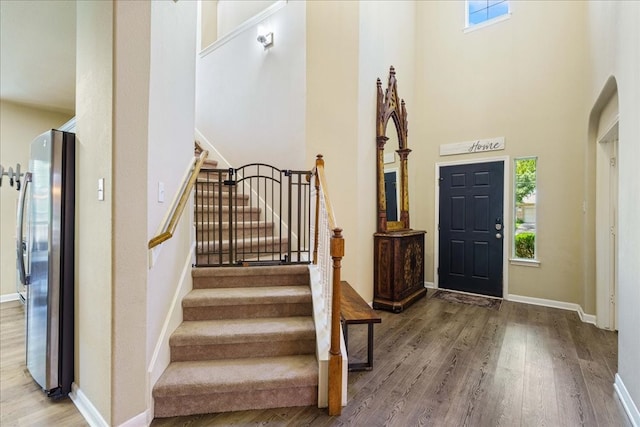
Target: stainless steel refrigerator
(45, 252)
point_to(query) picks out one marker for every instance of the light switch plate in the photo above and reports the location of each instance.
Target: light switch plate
(100, 189)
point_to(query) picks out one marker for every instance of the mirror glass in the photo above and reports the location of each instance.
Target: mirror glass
(392, 172)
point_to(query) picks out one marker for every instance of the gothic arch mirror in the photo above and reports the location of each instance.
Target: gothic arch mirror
(392, 153)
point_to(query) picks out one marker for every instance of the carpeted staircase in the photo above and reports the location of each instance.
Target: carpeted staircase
(247, 341)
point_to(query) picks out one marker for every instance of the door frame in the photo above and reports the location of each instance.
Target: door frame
(506, 216)
(606, 256)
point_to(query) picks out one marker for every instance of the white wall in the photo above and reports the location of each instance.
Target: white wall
(250, 102)
(615, 51)
(233, 13)
(19, 125)
(171, 123)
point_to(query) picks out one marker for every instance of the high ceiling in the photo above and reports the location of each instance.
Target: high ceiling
(38, 53)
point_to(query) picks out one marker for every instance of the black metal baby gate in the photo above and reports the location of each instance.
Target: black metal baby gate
(255, 214)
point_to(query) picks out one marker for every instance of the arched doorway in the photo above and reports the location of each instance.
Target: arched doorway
(606, 211)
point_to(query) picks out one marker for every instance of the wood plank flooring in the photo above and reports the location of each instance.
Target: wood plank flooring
(436, 364)
(22, 402)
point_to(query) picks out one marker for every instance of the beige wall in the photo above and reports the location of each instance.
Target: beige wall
(131, 96)
(135, 130)
(94, 219)
(332, 113)
(378, 50)
(510, 79)
(615, 43)
(19, 125)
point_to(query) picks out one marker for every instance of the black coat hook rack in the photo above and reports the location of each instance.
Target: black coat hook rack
(13, 175)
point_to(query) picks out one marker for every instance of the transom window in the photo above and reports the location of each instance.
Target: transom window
(481, 11)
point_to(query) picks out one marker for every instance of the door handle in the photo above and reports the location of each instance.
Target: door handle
(24, 279)
(498, 236)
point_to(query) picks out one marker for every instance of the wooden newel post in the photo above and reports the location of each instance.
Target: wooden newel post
(319, 164)
(335, 356)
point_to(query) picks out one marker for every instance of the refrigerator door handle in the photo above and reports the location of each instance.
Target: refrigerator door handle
(24, 278)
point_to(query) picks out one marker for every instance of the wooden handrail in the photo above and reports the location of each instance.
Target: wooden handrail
(170, 227)
(336, 250)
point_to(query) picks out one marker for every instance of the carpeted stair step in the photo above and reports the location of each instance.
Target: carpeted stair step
(245, 244)
(213, 198)
(237, 303)
(239, 338)
(210, 230)
(215, 277)
(269, 248)
(188, 388)
(238, 213)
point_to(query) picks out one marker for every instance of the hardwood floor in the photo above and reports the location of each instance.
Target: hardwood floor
(22, 402)
(438, 363)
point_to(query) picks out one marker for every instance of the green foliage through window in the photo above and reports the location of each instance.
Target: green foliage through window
(525, 191)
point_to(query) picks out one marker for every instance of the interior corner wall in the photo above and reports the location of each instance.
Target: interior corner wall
(378, 50)
(614, 31)
(250, 101)
(19, 125)
(332, 113)
(93, 259)
(511, 80)
(131, 106)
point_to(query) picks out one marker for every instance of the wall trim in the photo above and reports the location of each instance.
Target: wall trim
(629, 406)
(8, 297)
(139, 420)
(256, 19)
(218, 156)
(86, 408)
(586, 318)
(430, 285)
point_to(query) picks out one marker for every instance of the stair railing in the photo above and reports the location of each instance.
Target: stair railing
(170, 225)
(328, 244)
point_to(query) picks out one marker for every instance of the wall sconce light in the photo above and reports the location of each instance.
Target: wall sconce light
(265, 38)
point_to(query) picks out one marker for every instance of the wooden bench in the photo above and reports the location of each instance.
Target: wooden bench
(355, 311)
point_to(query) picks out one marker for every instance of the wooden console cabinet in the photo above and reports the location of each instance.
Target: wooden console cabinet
(398, 271)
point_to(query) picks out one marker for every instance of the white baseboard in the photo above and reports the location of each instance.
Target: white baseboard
(430, 285)
(8, 297)
(587, 318)
(139, 420)
(86, 408)
(629, 406)
(93, 417)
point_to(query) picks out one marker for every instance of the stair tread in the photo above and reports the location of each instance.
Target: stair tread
(270, 270)
(215, 376)
(228, 331)
(242, 224)
(250, 244)
(247, 296)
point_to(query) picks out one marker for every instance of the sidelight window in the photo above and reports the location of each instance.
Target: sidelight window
(525, 207)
